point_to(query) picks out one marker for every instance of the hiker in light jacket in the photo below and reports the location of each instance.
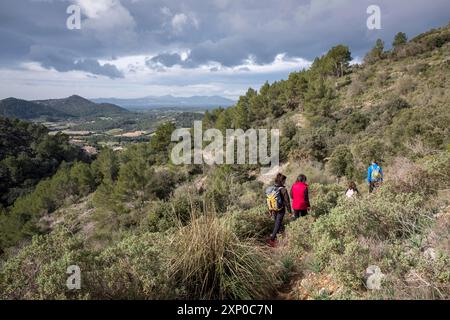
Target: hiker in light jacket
(280, 180)
(352, 190)
(374, 176)
(300, 197)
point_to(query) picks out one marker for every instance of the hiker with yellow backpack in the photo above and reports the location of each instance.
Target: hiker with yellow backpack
(278, 202)
(374, 176)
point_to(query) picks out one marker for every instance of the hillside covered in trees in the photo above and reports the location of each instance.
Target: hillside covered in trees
(71, 107)
(29, 154)
(140, 227)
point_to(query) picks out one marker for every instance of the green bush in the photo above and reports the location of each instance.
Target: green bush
(438, 168)
(254, 223)
(341, 162)
(250, 194)
(315, 141)
(134, 268)
(349, 265)
(412, 275)
(354, 122)
(340, 239)
(68, 185)
(324, 197)
(368, 149)
(163, 215)
(299, 236)
(222, 190)
(429, 124)
(38, 271)
(383, 215)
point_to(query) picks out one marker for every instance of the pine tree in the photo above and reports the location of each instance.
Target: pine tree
(399, 40)
(376, 53)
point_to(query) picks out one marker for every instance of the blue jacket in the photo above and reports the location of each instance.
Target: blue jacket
(370, 170)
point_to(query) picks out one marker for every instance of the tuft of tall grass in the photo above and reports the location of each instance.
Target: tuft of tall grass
(211, 262)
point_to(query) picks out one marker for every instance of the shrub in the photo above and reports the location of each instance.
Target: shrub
(222, 189)
(288, 129)
(38, 271)
(438, 169)
(251, 193)
(315, 141)
(405, 85)
(298, 234)
(160, 216)
(386, 111)
(349, 265)
(341, 162)
(314, 170)
(163, 215)
(383, 78)
(412, 275)
(357, 87)
(354, 233)
(385, 214)
(251, 224)
(354, 122)
(407, 177)
(211, 262)
(324, 197)
(368, 149)
(418, 68)
(10, 227)
(429, 124)
(134, 268)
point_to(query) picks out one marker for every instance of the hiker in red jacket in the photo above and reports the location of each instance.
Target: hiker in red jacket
(300, 197)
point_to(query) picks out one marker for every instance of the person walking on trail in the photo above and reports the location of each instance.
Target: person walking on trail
(374, 176)
(352, 190)
(278, 202)
(300, 197)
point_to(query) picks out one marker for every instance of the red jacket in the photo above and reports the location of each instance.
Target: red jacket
(300, 196)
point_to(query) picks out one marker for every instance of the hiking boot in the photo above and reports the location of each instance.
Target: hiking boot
(272, 243)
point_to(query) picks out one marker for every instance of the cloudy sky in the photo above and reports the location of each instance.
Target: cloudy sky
(136, 48)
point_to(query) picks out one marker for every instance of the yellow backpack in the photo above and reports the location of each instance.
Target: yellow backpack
(273, 198)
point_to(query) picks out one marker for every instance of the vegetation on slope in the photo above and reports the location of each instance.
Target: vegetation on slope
(152, 230)
(27, 155)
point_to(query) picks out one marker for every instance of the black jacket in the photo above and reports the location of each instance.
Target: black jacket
(286, 200)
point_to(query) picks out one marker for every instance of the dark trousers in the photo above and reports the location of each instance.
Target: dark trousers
(299, 213)
(278, 223)
(373, 185)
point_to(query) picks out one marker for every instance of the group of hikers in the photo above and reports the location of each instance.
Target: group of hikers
(279, 199)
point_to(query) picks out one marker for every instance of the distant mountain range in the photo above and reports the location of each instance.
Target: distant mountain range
(71, 107)
(79, 107)
(170, 101)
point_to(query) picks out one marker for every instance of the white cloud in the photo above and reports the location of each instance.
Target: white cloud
(95, 9)
(141, 81)
(166, 11)
(180, 21)
(109, 20)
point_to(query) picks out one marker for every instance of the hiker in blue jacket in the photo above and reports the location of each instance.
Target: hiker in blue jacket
(374, 176)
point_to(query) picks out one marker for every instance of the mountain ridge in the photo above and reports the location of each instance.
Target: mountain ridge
(169, 101)
(26, 110)
(71, 107)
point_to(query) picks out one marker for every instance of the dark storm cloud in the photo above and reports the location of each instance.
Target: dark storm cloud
(161, 61)
(63, 60)
(223, 31)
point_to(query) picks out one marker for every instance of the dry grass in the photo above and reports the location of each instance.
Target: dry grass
(210, 262)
